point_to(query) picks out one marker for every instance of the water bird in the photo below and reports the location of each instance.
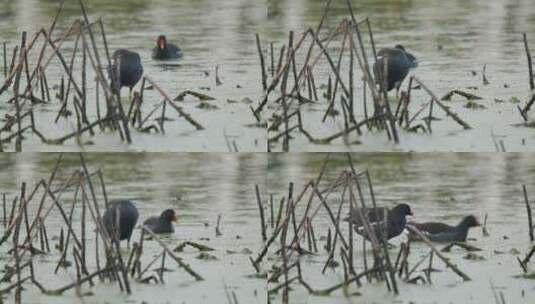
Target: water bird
(164, 50)
(440, 232)
(398, 61)
(127, 220)
(126, 70)
(396, 220)
(162, 223)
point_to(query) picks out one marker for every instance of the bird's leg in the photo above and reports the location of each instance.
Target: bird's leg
(130, 94)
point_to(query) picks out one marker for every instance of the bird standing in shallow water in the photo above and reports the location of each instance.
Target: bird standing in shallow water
(128, 215)
(440, 232)
(162, 223)
(164, 50)
(126, 70)
(398, 62)
(396, 220)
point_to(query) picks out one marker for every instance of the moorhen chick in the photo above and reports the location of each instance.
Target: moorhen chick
(164, 50)
(440, 232)
(128, 216)
(162, 223)
(399, 63)
(395, 217)
(126, 70)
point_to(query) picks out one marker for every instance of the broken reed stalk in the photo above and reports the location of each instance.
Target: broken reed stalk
(530, 65)
(261, 210)
(262, 63)
(528, 210)
(528, 105)
(180, 111)
(4, 216)
(333, 246)
(18, 145)
(61, 290)
(5, 59)
(442, 106)
(333, 97)
(65, 97)
(178, 260)
(446, 261)
(289, 54)
(286, 290)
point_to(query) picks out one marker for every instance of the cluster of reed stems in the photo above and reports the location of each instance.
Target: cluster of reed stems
(291, 83)
(27, 83)
(28, 237)
(293, 234)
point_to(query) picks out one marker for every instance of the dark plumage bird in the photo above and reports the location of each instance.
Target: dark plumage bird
(395, 217)
(398, 61)
(440, 232)
(162, 223)
(164, 50)
(126, 70)
(128, 216)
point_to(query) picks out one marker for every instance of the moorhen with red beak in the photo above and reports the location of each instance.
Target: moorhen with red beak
(440, 232)
(398, 61)
(127, 215)
(164, 50)
(126, 70)
(162, 223)
(396, 220)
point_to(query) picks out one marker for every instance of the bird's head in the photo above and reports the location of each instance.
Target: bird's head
(162, 42)
(470, 221)
(169, 215)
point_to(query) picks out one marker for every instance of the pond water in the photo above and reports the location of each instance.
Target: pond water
(199, 186)
(439, 187)
(210, 33)
(450, 40)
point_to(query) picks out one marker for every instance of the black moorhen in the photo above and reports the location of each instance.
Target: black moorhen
(440, 232)
(128, 216)
(126, 69)
(395, 216)
(399, 63)
(162, 223)
(164, 50)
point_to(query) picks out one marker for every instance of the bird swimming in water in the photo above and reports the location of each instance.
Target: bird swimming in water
(162, 223)
(164, 50)
(440, 232)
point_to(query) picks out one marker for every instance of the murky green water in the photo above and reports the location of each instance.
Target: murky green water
(210, 33)
(439, 187)
(450, 41)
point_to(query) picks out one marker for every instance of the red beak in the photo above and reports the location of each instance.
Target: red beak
(161, 43)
